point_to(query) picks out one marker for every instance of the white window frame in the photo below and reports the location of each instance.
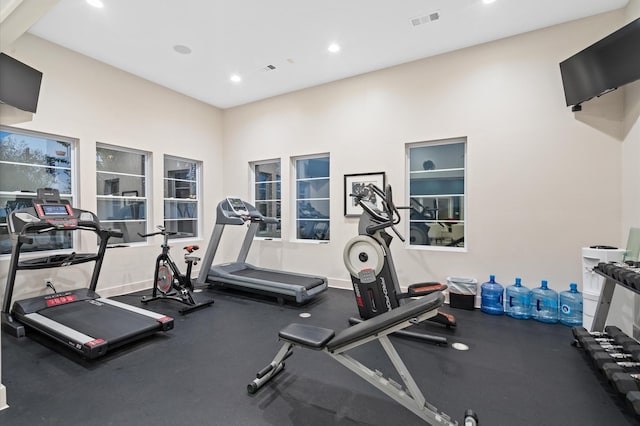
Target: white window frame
(73, 167)
(253, 166)
(198, 173)
(464, 207)
(294, 193)
(147, 188)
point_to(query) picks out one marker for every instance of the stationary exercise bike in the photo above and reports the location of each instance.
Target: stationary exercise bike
(169, 283)
(373, 275)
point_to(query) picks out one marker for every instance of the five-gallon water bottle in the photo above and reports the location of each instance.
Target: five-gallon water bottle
(571, 306)
(517, 300)
(491, 297)
(544, 304)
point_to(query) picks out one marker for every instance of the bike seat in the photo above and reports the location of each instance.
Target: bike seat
(191, 249)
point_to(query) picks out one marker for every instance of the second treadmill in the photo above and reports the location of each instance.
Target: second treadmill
(296, 287)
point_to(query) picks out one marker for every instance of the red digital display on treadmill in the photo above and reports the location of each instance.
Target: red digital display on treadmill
(61, 300)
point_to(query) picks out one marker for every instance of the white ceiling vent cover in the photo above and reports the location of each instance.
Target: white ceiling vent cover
(416, 21)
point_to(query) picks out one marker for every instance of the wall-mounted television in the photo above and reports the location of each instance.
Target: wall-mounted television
(19, 84)
(604, 66)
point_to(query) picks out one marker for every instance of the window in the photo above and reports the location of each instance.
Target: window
(312, 198)
(181, 198)
(437, 193)
(121, 182)
(28, 161)
(266, 196)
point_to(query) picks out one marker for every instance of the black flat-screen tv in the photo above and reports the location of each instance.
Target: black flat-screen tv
(19, 84)
(604, 66)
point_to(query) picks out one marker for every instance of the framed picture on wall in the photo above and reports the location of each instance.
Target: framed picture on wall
(357, 184)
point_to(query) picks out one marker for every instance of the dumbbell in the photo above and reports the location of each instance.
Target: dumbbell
(625, 382)
(620, 343)
(630, 367)
(581, 334)
(630, 278)
(602, 357)
(633, 401)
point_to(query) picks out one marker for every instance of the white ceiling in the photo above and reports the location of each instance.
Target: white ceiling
(246, 36)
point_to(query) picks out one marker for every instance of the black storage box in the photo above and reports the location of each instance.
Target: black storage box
(462, 301)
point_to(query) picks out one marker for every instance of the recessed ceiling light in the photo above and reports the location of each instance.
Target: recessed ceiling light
(334, 47)
(235, 78)
(488, 1)
(96, 3)
(185, 50)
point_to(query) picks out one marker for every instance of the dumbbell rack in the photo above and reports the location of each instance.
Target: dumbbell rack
(614, 274)
(611, 351)
(617, 357)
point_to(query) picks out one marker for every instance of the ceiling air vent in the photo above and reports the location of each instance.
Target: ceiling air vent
(424, 19)
(268, 68)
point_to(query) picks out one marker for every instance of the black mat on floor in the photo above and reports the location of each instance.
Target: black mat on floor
(515, 373)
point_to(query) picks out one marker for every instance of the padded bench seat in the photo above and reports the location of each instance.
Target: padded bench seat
(317, 338)
(306, 335)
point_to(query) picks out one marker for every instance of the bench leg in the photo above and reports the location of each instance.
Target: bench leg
(412, 399)
(272, 369)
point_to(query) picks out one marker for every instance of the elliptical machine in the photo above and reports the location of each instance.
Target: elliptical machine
(373, 275)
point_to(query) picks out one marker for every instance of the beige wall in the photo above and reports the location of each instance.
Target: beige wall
(542, 183)
(92, 102)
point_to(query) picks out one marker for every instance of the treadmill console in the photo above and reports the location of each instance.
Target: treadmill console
(237, 206)
(51, 209)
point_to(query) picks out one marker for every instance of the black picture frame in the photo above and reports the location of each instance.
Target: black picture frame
(353, 182)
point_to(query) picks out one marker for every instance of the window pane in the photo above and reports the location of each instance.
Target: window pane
(267, 194)
(268, 208)
(48, 241)
(448, 182)
(315, 209)
(121, 209)
(129, 229)
(313, 229)
(180, 189)
(15, 177)
(313, 189)
(180, 209)
(111, 184)
(179, 169)
(437, 157)
(187, 228)
(29, 162)
(436, 189)
(268, 191)
(312, 168)
(34, 150)
(111, 160)
(268, 172)
(181, 182)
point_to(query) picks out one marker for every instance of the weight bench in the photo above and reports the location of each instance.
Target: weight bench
(376, 328)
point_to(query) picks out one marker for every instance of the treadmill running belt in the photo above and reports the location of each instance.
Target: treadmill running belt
(278, 277)
(101, 320)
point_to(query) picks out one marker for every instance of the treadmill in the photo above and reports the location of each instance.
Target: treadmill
(295, 287)
(79, 319)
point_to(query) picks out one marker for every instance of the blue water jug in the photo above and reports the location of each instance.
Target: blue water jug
(544, 304)
(491, 294)
(518, 300)
(571, 306)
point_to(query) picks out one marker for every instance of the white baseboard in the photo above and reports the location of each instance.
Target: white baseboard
(3, 397)
(124, 288)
